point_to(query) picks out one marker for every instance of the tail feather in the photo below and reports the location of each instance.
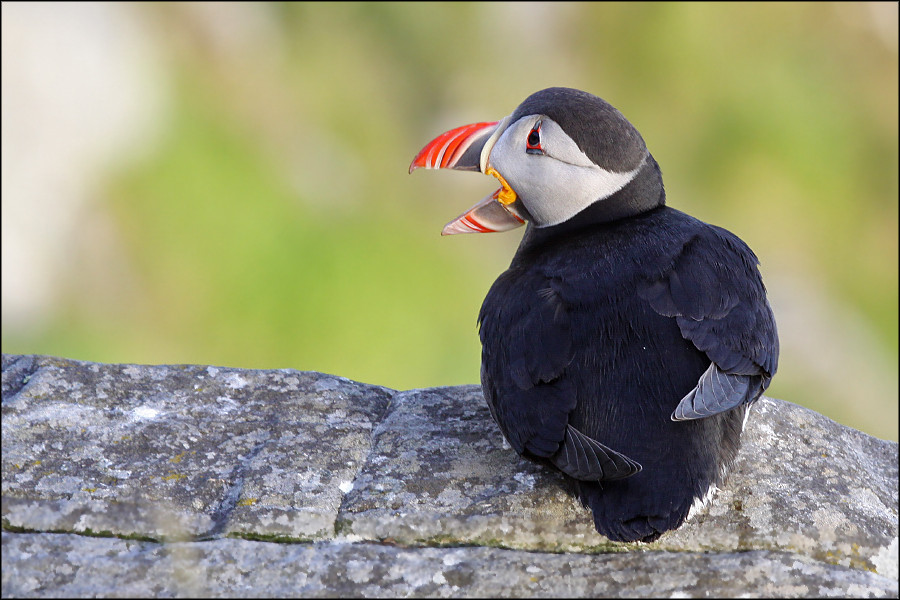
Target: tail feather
(616, 519)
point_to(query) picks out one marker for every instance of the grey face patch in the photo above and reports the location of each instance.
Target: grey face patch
(560, 146)
(557, 185)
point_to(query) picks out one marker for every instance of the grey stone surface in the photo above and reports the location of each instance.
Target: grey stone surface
(376, 492)
(802, 483)
(180, 452)
(71, 565)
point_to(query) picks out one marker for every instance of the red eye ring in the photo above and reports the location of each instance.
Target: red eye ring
(533, 141)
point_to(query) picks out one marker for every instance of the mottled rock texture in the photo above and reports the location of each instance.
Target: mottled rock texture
(194, 480)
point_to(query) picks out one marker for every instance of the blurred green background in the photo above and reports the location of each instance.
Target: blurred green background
(227, 184)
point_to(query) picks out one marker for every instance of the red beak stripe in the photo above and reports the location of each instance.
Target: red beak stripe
(443, 151)
(470, 222)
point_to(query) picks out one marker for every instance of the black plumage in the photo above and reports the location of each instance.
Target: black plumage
(604, 329)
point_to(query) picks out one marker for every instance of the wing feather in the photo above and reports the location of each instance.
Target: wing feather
(587, 459)
(526, 340)
(714, 291)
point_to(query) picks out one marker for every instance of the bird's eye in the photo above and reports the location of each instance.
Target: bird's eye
(533, 142)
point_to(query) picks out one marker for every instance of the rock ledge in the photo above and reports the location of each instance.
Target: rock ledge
(197, 480)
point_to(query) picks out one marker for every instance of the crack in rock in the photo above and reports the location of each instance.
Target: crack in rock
(222, 513)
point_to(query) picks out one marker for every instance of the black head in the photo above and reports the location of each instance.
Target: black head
(599, 130)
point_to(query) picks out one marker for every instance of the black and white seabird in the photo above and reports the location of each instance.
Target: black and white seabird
(627, 340)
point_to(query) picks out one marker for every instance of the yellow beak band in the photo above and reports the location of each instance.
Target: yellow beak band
(506, 196)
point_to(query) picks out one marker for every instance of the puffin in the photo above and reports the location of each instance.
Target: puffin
(627, 340)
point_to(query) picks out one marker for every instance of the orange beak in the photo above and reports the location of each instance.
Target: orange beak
(461, 149)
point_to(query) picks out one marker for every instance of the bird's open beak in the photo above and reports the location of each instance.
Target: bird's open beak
(467, 148)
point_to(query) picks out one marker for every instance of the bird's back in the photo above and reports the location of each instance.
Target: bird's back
(626, 368)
